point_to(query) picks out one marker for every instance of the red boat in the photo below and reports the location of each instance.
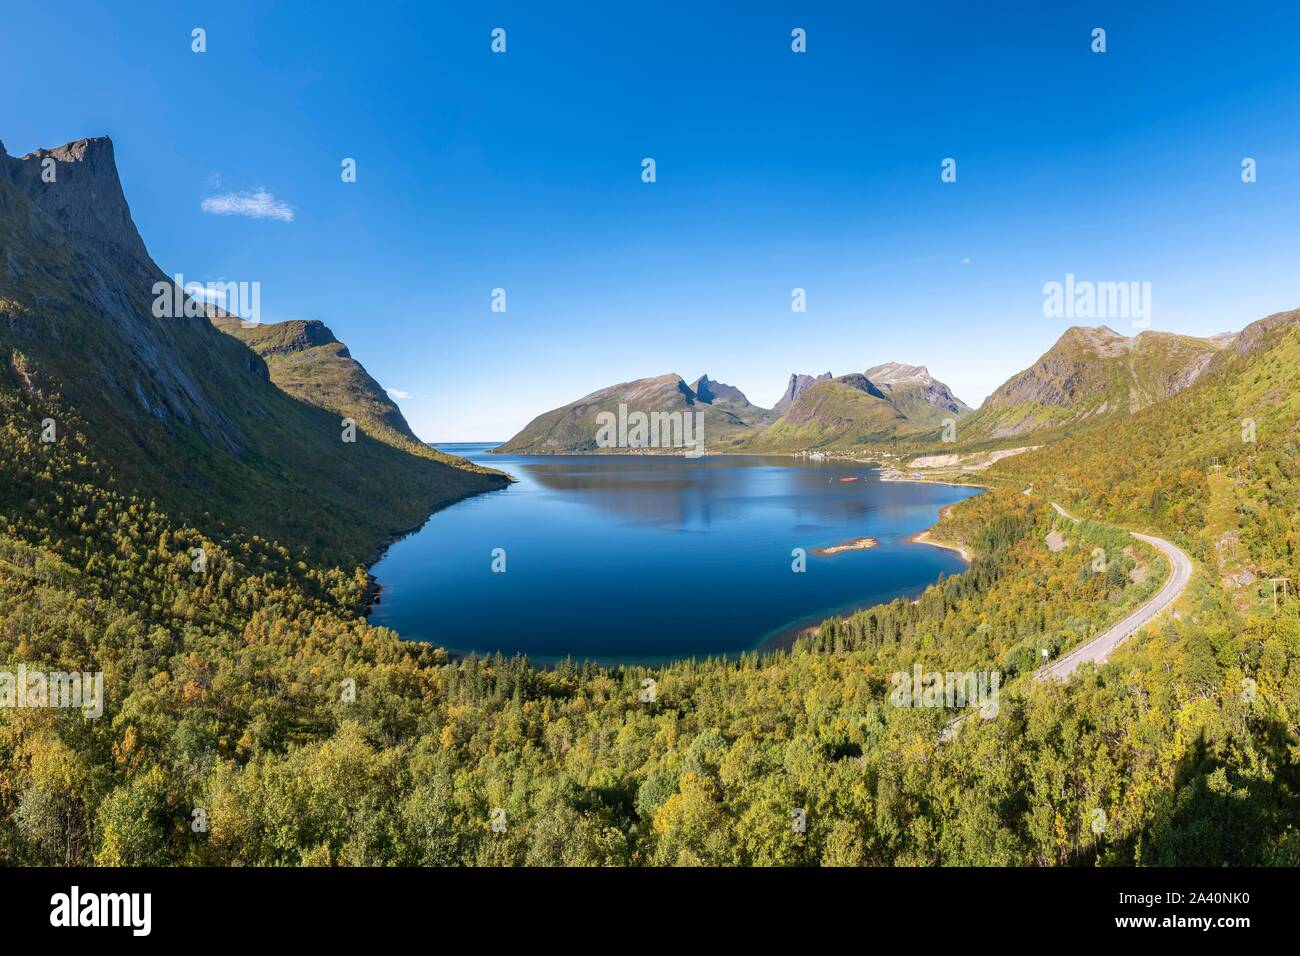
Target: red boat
(851, 478)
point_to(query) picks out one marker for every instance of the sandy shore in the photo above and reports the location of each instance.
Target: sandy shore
(857, 544)
(923, 537)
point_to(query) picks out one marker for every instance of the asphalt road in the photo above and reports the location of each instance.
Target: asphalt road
(1100, 647)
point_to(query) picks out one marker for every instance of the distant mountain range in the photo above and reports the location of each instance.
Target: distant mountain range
(884, 403)
(1088, 375)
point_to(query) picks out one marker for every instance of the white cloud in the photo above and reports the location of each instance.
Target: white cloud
(398, 393)
(256, 205)
(198, 291)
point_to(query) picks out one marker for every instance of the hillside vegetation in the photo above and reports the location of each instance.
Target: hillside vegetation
(227, 692)
(251, 716)
(1216, 466)
(1091, 374)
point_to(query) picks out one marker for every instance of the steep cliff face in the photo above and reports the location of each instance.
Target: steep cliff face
(76, 264)
(181, 412)
(84, 198)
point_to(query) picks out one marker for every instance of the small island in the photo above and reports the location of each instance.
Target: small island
(857, 544)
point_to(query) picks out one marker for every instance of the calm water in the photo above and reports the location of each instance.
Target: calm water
(640, 558)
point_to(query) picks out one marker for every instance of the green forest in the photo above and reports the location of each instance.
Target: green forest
(253, 716)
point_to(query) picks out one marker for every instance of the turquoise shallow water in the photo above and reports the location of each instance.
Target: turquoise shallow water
(645, 558)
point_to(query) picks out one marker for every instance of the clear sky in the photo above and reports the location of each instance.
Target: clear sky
(775, 170)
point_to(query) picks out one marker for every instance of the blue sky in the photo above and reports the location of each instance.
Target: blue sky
(775, 170)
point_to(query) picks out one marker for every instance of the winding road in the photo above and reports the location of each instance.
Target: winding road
(1100, 647)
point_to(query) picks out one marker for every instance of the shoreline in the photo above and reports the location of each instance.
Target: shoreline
(782, 640)
(370, 595)
(898, 476)
(923, 537)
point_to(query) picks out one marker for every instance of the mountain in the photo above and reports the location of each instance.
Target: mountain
(815, 413)
(798, 385)
(915, 392)
(176, 410)
(726, 417)
(842, 412)
(306, 361)
(887, 403)
(1091, 373)
(222, 690)
(1214, 464)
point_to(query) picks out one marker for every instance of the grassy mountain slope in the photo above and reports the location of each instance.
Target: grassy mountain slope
(306, 361)
(890, 402)
(727, 416)
(176, 410)
(1090, 373)
(843, 412)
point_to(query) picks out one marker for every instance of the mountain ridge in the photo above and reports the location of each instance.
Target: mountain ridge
(187, 415)
(820, 412)
(1090, 372)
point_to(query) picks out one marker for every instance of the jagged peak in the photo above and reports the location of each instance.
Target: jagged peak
(709, 390)
(798, 384)
(78, 151)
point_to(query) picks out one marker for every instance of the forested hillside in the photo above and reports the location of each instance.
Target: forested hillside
(227, 693)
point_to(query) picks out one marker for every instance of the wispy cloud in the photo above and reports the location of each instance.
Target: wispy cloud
(198, 291)
(398, 393)
(256, 205)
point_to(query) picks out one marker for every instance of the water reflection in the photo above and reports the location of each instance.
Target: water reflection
(643, 558)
